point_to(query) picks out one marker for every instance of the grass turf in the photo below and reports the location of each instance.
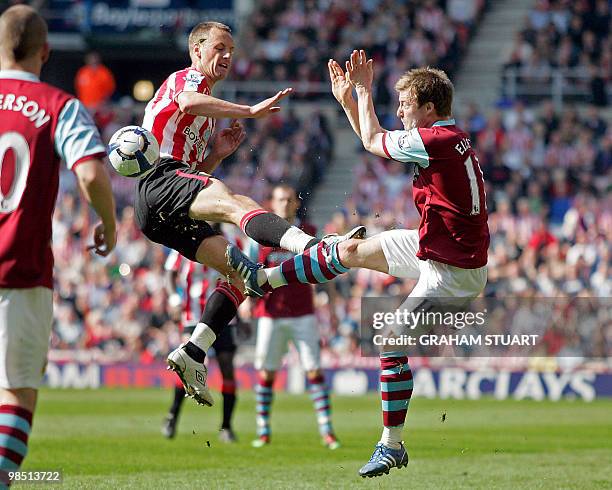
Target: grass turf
(110, 439)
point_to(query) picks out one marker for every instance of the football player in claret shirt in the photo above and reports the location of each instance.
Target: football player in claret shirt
(448, 252)
(287, 315)
(175, 200)
(40, 126)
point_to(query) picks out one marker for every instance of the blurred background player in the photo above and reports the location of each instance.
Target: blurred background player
(189, 284)
(287, 315)
(448, 191)
(40, 126)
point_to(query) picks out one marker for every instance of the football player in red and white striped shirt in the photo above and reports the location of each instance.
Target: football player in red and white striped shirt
(175, 200)
(189, 284)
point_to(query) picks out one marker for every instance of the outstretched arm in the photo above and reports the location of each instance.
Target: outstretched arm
(206, 105)
(361, 73)
(343, 92)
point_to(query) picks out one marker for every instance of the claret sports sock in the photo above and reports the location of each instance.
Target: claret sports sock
(318, 264)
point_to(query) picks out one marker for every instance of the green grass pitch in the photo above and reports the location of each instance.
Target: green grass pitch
(110, 439)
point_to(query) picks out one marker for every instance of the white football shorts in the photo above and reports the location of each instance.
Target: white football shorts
(435, 279)
(26, 316)
(454, 285)
(274, 335)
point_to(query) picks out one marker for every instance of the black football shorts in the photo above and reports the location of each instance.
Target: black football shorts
(161, 206)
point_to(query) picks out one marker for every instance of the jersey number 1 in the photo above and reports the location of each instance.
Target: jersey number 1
(471, 162)
(21, 151)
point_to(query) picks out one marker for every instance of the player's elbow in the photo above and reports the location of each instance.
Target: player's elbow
(186, 103)
(368, 142)
(91, 173)
(86, 173)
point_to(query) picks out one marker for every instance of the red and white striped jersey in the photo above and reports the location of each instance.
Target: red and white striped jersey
(181, 136)
(197, 282)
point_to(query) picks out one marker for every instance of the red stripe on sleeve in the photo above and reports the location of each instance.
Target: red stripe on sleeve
(99, 155)
(385, 146)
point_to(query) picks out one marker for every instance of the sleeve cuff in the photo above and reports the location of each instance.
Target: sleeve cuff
(85, 158)
(384, 144)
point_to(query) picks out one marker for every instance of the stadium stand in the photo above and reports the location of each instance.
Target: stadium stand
(565, 48)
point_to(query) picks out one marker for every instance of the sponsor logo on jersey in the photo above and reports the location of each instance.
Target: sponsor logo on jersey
(195, 139)
(193, 80)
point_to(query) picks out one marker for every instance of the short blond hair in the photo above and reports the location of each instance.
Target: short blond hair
(23, 32)
(428, 85)
(200, 32)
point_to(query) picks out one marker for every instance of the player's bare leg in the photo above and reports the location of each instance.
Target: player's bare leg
(16, 409)
(187, 361)
(216, 202)
(366, 254)
(264, 395)
(319, 395)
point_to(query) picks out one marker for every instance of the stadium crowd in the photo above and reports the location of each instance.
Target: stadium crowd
(550, 219)
(293, 40)
(573, 37)
(547, 175)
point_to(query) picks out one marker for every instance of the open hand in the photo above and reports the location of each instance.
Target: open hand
(268, 106)
(360, 70)
(341, 86)
(227, 141)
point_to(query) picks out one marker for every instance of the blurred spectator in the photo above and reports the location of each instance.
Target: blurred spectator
(573, 37)
(94, 83)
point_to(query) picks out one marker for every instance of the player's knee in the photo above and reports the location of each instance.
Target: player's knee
(348, 252)
(22, 397)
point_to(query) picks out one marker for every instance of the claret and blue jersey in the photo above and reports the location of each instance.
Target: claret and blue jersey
(448, 192)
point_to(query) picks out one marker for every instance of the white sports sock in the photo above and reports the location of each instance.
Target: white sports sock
(392, 437)
(273, 276)
(295, 240)
(203, 336)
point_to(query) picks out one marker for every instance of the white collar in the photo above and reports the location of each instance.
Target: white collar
(19, 75)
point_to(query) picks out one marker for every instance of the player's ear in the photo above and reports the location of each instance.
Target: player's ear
(196, 51)
(45, 53)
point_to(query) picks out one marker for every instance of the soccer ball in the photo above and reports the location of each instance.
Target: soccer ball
(133, 151)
